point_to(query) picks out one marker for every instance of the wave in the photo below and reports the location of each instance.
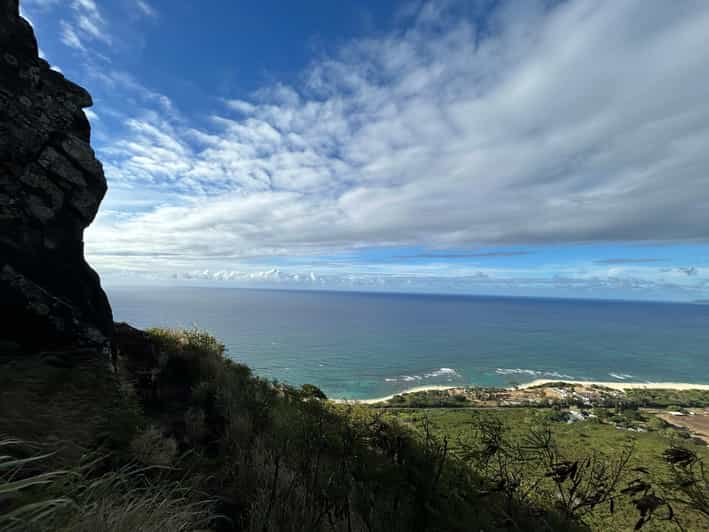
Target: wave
(621, 376)
(533, 373)
(448, 373)
(442, 372)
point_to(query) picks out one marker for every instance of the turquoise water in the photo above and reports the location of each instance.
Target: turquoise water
(355, 345)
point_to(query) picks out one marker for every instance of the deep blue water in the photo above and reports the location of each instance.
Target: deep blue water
(358, 345)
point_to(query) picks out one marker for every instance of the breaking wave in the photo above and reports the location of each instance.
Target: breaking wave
(448, 373)
(621, 376)
(533, 373)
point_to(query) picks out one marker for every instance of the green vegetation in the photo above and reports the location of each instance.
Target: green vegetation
(426, 399)
(195, 441)
(527, 462)
(594, 394)
(182, 438)
(668, 398)
(68, 402)
(87, 499)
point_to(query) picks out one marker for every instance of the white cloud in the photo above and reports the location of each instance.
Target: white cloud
(571, 124)
(85, 5)
(88, 19)
(70, 37)
(241, 106)
(86, 24)
(145, 8)
(126, 82)
(438, 278)
(92, 27)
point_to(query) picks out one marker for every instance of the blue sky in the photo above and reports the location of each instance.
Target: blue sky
(545, 148)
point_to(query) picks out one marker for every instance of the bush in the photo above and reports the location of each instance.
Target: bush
(188, 356)
(310, 391)
(150, 448)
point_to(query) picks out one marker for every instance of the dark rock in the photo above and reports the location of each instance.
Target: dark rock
(135, 347)
(51, 185)
(8, 348)
(67, 359)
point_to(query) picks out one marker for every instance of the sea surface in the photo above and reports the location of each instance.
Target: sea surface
(357, 345)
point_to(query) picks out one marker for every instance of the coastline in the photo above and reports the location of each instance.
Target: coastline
(433, 387)
(540, 382)
(614, 385)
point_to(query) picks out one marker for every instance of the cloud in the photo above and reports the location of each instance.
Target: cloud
(486, 255)
(83, 23)
(117, 79)
(534, 125)
(70, 37)
(145, 8)
(440, 279)
(89, 21)
(91, 27)
(241, 106)
(629, 261)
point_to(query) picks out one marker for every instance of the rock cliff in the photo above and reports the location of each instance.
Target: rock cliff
(51, 185)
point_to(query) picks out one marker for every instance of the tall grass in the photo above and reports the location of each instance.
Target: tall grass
(25, 503)
(131, 498)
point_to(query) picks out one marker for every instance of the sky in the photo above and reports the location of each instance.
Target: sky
(535, 148)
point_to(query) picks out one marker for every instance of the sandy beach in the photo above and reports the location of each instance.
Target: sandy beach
(540, 382)
(387, 397)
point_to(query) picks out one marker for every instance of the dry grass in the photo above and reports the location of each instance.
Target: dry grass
(129, 499)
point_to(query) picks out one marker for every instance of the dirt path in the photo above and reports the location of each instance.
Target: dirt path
(697, 424)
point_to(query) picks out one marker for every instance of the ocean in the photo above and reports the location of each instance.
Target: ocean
(365, 345)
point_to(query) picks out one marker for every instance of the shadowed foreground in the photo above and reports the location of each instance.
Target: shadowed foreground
(240, 453)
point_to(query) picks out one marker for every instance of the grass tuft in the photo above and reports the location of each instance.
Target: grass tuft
(83, 500)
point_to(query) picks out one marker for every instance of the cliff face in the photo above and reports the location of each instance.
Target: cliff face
(51, 185)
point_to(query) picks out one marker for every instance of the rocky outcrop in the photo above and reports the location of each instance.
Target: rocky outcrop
(51, 186)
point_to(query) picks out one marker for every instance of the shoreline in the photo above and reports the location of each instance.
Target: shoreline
(415, 389)
(613, 385)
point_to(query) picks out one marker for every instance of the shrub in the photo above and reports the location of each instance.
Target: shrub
(195, 425)
(188, 356)
(310, 391)
(150, 448)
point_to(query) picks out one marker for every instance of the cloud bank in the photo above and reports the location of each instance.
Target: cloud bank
(536, 123)
(571, 124)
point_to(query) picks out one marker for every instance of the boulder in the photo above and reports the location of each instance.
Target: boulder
(51, 185)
